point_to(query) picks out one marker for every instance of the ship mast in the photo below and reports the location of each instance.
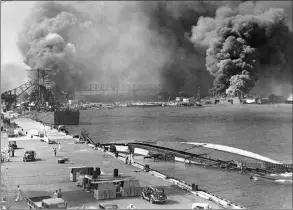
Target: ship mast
(199, 87)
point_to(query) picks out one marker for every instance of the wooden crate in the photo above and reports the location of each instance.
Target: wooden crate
(112, 193)
(136, 183)
(133, 191)
(125, 192)
(138, 191)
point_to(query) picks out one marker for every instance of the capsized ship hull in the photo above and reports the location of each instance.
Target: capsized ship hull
(64, 117)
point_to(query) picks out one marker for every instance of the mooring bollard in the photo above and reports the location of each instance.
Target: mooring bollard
(194, 187)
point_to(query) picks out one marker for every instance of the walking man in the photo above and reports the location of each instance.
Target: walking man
(59, 147)
(12, 151)
(8, 154)
(54, 151)
(19, 194)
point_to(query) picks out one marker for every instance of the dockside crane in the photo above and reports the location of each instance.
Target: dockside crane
(10, 97)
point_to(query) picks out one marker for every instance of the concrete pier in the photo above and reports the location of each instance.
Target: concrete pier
(45, 175)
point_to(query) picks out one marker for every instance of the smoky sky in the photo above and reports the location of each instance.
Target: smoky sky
(174, 44)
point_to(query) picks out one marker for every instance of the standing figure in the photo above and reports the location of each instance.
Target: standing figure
(19, 194)
(8, 154)
(59, 147)
(131, 160)
(12, 151)
(59, 194)
(54, 152)
(55, 194)
(126, 159)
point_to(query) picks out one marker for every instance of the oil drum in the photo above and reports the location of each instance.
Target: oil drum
(115, 172)
(90, 171)
(96, 173)
(194, 187)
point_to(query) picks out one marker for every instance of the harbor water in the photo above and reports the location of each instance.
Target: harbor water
(263, 129)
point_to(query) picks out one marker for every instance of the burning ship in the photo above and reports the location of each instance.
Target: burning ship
(42, 105)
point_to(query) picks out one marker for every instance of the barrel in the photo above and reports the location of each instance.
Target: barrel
(96, 173)
(84, 182)
(115, 172)
(194, 187)
(112, 148)
(95, 176)
(90, 171)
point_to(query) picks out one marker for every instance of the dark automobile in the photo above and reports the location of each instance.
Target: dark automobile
(154, 195)
(29, 155)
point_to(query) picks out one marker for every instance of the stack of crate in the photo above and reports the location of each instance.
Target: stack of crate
(104, 191)
(134, 187)
(138, 188)
(126, 189)
(112, 190)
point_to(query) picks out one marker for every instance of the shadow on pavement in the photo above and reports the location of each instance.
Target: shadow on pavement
(171, 202)
(39, 159)
(78, 197)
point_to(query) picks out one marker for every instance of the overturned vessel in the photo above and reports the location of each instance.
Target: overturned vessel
(59, 117)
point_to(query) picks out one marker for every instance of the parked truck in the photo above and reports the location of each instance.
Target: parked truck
(46, 202)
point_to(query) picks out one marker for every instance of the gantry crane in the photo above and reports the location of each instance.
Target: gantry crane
(11, 96)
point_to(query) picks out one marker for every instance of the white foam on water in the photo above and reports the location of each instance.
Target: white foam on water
(283, 180)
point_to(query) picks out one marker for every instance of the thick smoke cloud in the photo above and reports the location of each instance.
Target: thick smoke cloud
(245, 44)
(145, 43)
(12, 76)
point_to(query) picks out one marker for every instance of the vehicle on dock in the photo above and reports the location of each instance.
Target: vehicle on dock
(107, 206)
(78, 139)
(46, 202)
(29, 155)
(154, 195)
(47, 140)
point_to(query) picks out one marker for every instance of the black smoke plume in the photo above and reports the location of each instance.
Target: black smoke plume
(134, 42)
(245, 44)
(116, 43)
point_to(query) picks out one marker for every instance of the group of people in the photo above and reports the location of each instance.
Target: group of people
(6, 205)
(5, 154)
(55, 149)
(129, 159)
(57, 194)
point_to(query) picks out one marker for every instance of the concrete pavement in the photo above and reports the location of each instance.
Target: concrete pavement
(45, 175)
